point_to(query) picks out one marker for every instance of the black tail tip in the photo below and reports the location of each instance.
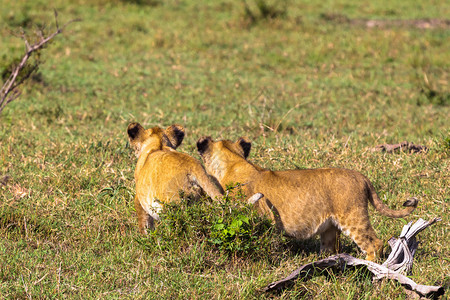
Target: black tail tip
(413, 201)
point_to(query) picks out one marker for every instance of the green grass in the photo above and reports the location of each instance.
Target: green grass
(308, 92)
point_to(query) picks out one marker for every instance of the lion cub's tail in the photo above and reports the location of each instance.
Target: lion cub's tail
(410, 204)
(208, 183)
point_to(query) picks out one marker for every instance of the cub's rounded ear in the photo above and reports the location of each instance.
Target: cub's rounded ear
(245, 145)
(203, 144)
(134, 130)
(175, 133)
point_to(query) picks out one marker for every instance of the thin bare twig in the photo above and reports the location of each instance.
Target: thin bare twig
(9, 90)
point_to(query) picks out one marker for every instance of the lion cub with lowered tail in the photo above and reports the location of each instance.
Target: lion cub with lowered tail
(304, 202)
(162, 172)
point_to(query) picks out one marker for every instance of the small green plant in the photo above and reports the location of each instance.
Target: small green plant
(430, 82)
(431, 93)
(226, 234)
(263, 10)
(444, 143)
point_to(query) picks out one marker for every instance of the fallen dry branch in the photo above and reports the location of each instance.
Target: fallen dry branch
(403, 249)
(342, 261)
(419, 23)
(9, 91)
(425, 23)
(398, 262)
(404, 146)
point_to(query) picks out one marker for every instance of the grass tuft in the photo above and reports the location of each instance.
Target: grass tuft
(228, 227)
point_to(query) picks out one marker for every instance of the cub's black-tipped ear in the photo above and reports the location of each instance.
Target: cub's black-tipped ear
(203, 144)
(175, 134)
(134, 130)
(246, 145)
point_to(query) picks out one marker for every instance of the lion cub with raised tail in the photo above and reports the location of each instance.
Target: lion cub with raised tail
(304, 202)
(162, 172)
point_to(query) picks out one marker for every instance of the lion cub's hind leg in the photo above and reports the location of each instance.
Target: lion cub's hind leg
(329, 238)
(363, 234)
(144, 219)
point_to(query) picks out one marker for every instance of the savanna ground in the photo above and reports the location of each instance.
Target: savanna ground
(308, 87)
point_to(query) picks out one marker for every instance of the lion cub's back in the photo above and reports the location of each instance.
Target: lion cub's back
(312, 191)
(305, 179)
(164, 174)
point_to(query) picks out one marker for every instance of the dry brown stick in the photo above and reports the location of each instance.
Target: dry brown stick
(9, 90)
(400, 146)
(418, 23)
